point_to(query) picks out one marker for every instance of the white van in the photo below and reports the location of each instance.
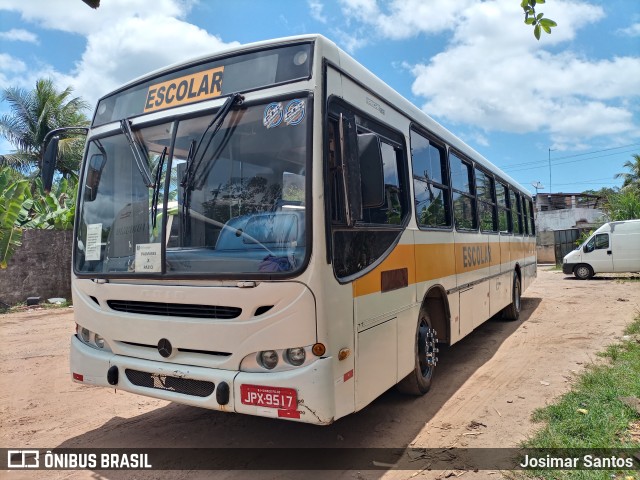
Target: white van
(614, 247)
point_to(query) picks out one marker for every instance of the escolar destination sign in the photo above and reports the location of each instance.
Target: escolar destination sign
(183, 90)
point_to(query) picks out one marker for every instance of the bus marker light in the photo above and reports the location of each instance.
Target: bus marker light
(319, 349)
(348, 375)
(78, 377)
(343, 353)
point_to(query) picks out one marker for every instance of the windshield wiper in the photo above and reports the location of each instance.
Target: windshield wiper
(193, 162)
(138, 153)
(156, 188)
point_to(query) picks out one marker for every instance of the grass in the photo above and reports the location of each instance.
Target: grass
(592, 415)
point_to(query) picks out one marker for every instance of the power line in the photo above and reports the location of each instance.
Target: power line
(540, 162)
(570, 161)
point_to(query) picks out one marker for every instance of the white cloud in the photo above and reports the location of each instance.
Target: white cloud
(316, 7)
(19, 35)
(399, 19)
(495, 76)
(632, 31)
(78, 18)
(11, 64)
(125, 39)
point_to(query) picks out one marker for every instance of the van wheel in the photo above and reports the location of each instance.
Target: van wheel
(583, 271)
(418, 381)
(512, 311)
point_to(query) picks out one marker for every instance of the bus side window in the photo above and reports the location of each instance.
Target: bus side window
(532, 218)
(464, 202)
(486, 202)
(430, 183)
(515, 212)
(504, 215)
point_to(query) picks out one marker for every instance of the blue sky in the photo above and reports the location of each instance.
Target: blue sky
(472, 65)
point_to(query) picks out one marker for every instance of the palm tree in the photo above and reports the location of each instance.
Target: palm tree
(34, 114)
(631, 180)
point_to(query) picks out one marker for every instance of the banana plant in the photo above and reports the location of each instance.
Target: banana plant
(13, 213)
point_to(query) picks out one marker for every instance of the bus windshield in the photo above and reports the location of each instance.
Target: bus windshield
(181, 198)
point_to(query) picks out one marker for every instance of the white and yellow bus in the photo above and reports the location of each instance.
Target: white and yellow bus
(274, 231)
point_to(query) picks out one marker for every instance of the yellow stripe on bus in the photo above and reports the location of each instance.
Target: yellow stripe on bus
(426, 262)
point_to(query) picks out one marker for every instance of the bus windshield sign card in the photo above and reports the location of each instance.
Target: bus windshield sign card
(183, 90)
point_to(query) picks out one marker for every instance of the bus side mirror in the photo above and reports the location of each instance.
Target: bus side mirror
(49, 163)
(96, 164)
(371, 170)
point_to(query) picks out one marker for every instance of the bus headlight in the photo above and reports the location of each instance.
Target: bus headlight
(85, 335)
(99, 341)
(269, 359)
(295, 356)
(91, 339)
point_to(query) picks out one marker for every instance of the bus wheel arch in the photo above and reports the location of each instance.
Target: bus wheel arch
(434, 314)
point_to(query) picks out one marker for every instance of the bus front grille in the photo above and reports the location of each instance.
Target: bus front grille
(186, 386)
(175, 309)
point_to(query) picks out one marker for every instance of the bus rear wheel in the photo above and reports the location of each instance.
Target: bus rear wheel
(418, 381)
(512, 311)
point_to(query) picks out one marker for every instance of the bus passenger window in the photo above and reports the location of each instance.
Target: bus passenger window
(486, 202)
(516, 212)
(504, 224)
(464, 202)
(430, 183)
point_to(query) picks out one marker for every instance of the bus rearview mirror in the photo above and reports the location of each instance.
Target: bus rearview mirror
(49, 163)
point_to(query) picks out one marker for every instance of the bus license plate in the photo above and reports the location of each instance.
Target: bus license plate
(271, 397)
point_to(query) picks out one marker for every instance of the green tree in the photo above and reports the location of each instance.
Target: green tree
(26, 205)
(537, 20)
(624, 205)
(34, 114)
(631, 178)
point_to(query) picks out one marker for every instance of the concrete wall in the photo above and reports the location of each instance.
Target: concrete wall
(545, 246)
(569, 218)
(41, 267)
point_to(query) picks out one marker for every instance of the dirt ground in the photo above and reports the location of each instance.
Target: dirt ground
(486, 388)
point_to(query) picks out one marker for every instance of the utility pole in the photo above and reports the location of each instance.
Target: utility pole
(550, 150)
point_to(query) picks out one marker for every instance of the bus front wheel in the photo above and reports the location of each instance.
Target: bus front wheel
(418, 381)
(512, 311)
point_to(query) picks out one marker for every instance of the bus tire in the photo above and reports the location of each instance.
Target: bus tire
(512, 311)
(582, 271)
(418, 381)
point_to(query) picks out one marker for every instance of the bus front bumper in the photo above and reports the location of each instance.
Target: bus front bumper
(205, 387)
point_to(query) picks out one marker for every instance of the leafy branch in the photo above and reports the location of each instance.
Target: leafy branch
(538, 20)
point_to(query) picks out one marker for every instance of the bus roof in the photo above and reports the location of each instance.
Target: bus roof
(362, 74)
